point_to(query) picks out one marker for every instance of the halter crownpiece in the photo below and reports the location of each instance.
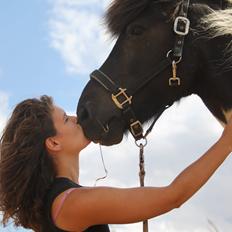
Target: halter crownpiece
(181, 28)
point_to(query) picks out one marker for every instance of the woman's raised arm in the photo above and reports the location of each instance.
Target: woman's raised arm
(102, 205)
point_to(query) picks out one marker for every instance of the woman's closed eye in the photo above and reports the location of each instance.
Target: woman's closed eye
(66, 118)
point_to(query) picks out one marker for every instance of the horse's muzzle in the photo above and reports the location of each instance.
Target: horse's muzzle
(105, 132)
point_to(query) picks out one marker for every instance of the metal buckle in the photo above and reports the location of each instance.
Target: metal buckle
(121, 93)
(136, 129)
(181, 25)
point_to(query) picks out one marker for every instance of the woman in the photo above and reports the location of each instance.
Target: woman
(39, 171)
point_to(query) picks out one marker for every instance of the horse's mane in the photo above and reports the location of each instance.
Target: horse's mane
(218, 24)
(214, 23)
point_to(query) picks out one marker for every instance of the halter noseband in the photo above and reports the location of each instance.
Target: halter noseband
(122, 97)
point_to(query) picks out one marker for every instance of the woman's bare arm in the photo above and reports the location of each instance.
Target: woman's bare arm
(101, 205)
(104, 205)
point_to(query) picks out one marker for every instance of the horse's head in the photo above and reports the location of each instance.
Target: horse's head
(140, 63)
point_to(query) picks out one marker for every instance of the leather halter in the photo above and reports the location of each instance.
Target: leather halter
(122, 97)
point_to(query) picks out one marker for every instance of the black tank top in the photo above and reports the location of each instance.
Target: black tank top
(60, 185)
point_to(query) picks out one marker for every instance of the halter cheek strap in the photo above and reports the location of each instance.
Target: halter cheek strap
(122, 99)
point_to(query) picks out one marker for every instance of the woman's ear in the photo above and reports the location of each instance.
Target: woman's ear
(52, 144)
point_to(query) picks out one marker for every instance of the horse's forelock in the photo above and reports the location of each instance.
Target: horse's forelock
(122, 12)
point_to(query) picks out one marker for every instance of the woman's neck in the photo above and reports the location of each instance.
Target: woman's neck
(68, 166)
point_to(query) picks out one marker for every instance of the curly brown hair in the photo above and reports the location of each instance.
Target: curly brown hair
(26, 168)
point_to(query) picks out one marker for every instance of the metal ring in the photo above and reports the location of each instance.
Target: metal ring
(141, 142)
(168, 56)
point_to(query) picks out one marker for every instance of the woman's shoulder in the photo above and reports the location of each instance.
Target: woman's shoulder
(60, 185)
(72, 208)
(60, 191)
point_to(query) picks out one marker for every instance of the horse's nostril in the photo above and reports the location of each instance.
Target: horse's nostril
(83, 114)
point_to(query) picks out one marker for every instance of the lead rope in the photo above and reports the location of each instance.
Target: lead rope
(142, 144)
(142, 173)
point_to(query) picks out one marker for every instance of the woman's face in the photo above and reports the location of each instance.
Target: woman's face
(69, 134)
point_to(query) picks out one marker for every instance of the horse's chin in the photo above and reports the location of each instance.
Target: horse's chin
(112, 137)
(104, 134)
(109, 141)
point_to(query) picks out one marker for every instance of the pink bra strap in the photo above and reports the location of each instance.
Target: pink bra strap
(66, 193)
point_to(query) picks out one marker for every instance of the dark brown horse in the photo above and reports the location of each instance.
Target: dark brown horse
(165, 50)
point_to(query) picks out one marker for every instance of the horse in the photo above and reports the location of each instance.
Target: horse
(165, 50)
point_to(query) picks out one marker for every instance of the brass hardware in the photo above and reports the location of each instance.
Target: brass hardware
(174, 80)
(136, 128)
(126, 99)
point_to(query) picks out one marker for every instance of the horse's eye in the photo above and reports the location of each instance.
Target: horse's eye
(136, 30)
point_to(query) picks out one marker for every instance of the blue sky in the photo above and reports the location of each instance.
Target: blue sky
(29, 66)
(50, 47)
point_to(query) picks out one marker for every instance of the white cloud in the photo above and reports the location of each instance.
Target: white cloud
(77, 33)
